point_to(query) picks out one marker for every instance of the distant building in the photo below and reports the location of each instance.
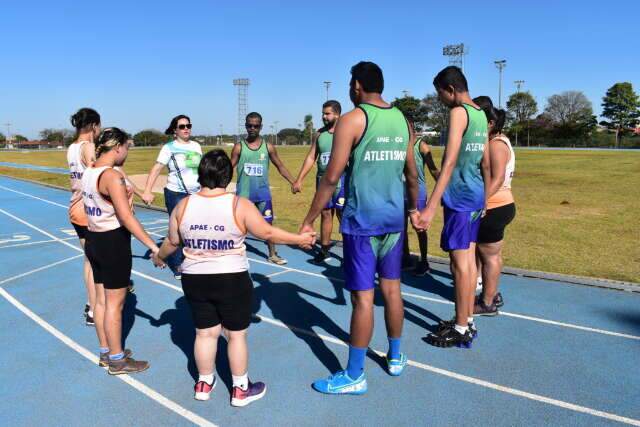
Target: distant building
(37, 145)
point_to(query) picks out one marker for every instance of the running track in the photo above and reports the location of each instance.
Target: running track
(558, 355)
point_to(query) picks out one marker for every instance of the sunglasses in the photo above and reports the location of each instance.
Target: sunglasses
(183, 127)
(248, 126)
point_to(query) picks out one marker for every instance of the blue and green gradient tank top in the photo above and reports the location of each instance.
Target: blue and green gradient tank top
(422, 183)
(465, 192)
(324, 145)
(253, 173)
(374, 184)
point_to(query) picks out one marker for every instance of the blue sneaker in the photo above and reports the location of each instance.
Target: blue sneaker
(341, 383)
(396, 366)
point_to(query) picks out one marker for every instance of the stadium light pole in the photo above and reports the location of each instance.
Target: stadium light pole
(518, 84)
(327, 84)
(8, 125)
(405, 93)
(455, 53)
(276, 126)
(500, 65)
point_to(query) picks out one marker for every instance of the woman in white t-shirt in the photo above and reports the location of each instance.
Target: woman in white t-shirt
(212, 224)
(181, 157)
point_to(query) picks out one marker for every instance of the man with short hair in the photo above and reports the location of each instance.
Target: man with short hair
(374, 140)
(320, 153)
(252, 158)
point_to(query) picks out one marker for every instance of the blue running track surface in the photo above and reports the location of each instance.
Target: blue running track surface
(558, 355)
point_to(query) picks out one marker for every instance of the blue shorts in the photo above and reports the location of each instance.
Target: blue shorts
(266, 210)
(364, 256)
(337, 200)
(460, 229)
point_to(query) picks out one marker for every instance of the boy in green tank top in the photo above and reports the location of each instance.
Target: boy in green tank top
(320, 153)
(252, 158)
(461, 189)
(374, 140)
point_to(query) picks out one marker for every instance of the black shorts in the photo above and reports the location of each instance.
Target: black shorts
(81, 230)
(219, 298)
(494, 222)
(109, 253)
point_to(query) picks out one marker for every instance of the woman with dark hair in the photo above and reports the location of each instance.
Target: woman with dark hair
(110, 226)
(501, 210)
(80, 156)
(181, 157)
(212, 224)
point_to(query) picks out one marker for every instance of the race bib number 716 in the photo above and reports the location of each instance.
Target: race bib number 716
(253, 169)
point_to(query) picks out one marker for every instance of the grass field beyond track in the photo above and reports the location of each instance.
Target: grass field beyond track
(578, 212)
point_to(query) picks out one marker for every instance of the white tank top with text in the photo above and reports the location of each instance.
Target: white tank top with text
(100, 212)
(511, 164)
(213, 240)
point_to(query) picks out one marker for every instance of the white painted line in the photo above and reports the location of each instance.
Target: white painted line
(419, 365)
(424, 298)
(17, 245)
(142, 388)
(277, 273)
(34, 197)
(9, 279)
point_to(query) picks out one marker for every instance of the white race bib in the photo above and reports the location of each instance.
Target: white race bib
(253, 169)
(324, 158)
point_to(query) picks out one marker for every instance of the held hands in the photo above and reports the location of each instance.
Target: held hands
(296, 187)
(308, 236)
(148, 197)
(422, 220)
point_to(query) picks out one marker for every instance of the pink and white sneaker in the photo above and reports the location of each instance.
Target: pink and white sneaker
(203, 390)
(255, 391)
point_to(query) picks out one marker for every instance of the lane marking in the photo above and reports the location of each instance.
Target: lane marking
(34, 197)
(424, 298)
(423, 366)
(142, 388)
(18, 245)
(277, 273)
(15, 238)
(18, 276)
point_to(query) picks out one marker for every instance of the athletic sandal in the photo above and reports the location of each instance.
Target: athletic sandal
(421, 269)
(104, 358)
(275, 259)
(444, 324)
(481, 309)
(497, 300)
(203, 389)
(321, 257)
(449, 337)
(341, 383)
(254, 391)
(396, 366)
(127, 365)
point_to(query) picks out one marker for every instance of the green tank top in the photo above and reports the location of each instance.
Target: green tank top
(324, 144)
(253, 173)
(374, 188)
(419, 162)
(465, 191)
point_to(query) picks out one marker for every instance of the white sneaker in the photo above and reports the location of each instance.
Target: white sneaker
(479, 284)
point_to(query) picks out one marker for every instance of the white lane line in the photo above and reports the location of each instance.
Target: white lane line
(34, 197)
(147, 391)
(411, 295)
(419, 365)
(17, 245)
(196, 419)
(9, 279)
(277, 273)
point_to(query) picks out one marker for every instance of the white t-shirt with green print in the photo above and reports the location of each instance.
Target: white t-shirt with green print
(187, 157)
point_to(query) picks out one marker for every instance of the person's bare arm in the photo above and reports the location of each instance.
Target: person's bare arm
(235, 155)
(250, 217)
(154, 173)
(172, 242)
(112, 184)
(134, 187)
(312, 155)
(277, 162)
(88, 154)
(411, 178)
(348, 131)
(457, 125)
(497, 159)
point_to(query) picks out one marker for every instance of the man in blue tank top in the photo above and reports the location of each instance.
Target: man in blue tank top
(461, 189)
(373, 139)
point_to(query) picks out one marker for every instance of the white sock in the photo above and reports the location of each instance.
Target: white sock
(461, 329)
(206, 378)
(241, 381)
(470, 320)
(90, 313)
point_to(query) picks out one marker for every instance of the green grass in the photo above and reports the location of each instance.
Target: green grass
(578, 211)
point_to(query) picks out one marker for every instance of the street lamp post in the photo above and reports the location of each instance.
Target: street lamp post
(500, 65)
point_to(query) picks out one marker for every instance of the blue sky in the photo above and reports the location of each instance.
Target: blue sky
(139, 63)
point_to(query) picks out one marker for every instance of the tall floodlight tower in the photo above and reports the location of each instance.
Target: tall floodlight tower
(455, 53)
(518, 84)
(327, 84)
(243, 103)
(500, 65)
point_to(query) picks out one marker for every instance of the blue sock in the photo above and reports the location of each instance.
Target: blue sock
(104, 350)
(394, 348)
(118, 356)
(355, 366)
